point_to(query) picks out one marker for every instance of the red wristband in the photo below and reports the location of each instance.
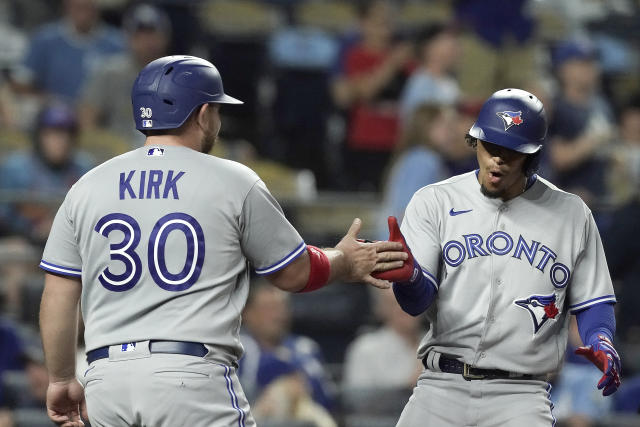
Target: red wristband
(319, 271)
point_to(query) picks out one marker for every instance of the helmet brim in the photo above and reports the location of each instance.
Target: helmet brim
(226, 99)
(512, 142)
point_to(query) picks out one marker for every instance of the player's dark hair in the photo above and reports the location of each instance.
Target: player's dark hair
(471, 141)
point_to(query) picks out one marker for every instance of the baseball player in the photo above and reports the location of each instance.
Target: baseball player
(501, 257)
(156, 244)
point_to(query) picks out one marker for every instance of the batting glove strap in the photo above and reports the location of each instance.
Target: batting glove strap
(602, 354)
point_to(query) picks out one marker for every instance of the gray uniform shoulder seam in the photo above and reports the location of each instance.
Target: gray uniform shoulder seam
(244, 198)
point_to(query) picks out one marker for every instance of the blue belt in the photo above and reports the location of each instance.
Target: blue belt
(171, 347)
(468, 372)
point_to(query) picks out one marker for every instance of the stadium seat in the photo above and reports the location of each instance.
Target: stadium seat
(330, 15)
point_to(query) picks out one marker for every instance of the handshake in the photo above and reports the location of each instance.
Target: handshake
(410, 269)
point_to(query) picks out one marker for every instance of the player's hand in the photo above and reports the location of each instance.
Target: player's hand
(362, 258)
(409, 269)
(602, 354)
(65, 403)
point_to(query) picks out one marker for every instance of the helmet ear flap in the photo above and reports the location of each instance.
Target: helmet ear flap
(531, 163)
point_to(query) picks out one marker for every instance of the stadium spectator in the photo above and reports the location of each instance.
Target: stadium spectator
(433, 82)
(62, 53)
(374, 70)
(458, 156)
(418, 159)
(36, 375)
(271, 350)
(36, 177)
(285, 396)
(499, 47)
(622, 246)
(11, 354)
(13, 42)
(581, 123)
(386, 357)
(625, 168)
(108, 106)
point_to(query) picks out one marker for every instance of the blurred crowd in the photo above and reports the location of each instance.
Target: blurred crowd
(341, 97)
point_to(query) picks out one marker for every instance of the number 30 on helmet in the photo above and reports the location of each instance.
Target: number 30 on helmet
(169, 89)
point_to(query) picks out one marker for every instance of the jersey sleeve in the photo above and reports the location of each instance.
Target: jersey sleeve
(591, 283)
(420, 230)
(269, 241)
(61, 253)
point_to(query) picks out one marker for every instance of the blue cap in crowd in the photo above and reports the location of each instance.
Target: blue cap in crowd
(58, 115)
(573, 50)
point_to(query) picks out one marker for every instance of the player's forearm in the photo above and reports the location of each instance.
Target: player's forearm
(296, 275)
(594, 320)
(59, 325)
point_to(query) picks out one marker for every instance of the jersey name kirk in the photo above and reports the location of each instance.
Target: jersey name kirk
(537, 254)
(151, 184)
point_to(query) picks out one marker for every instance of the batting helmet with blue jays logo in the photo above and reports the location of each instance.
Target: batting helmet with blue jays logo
(514, 119)
(169, 89)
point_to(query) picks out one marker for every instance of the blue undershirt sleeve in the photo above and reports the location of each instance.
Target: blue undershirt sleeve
(415, 297)
(594, 320)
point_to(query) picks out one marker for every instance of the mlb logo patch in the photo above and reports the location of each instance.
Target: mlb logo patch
(510, 118)
(147, 123)
(128, 347)
(156, 152)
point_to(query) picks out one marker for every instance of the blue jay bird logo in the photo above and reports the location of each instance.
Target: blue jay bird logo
(510, 118)
(541, 308)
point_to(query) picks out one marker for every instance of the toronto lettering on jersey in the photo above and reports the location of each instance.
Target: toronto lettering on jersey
(500, 243)
(152, 184)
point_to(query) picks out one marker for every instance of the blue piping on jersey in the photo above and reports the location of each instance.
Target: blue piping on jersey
(234, 398)
(279, 265)
(59, 269)
(593, 301)
(431, 278)
(553, 417)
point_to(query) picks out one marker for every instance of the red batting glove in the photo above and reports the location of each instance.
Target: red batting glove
(602, 354)
(410, 269)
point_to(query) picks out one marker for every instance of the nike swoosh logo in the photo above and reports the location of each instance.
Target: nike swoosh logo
(454, 213)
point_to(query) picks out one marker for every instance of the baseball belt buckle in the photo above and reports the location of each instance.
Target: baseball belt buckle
(467, 375)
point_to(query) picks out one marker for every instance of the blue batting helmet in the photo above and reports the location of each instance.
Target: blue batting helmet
(514, 119)
(169, 89)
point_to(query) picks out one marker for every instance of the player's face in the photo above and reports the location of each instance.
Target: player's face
(501, 171)
(211, 133)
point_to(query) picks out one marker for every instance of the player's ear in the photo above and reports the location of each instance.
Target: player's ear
(201, 116)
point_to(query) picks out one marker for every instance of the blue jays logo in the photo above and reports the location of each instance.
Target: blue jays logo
(541, 308)
(510, 118)
(155, 151)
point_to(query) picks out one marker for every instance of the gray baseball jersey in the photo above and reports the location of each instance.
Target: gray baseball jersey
(162, 238)
(508, 273)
